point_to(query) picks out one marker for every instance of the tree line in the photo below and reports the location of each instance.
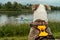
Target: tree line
(19, 7)
(13, 9)
(55, 7)
(13, 6)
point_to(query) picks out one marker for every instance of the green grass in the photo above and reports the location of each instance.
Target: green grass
(20, 32)
(15, 38)
(13, 30)
(55, 26)
(56, 35)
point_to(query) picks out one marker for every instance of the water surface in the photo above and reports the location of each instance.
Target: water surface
(4, 19)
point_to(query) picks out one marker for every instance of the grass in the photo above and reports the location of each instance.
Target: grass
(15, 38)
(56, 35)
(13, 30)
(24, 37)
(20, 32)
(55, 26)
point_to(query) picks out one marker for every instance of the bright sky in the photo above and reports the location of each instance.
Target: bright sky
(50, 2)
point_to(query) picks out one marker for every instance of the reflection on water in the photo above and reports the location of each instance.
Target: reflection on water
(54, 15)
(4, 19)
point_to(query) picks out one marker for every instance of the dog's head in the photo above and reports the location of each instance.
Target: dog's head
(47, 7)
(35, 6)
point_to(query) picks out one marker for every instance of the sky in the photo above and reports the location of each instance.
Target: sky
(50, 2)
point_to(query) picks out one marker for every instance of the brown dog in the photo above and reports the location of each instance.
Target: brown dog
(34, 32)
(35, 25)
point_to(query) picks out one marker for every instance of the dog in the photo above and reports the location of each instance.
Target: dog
(43, 34)
(39, 12)
(35, 6)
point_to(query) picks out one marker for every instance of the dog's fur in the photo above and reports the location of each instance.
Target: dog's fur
(34, 7)
(34, 32)
(41, 22)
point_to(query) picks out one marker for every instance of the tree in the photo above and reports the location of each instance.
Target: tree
(15, 6)
(0, 5)
(8, 5)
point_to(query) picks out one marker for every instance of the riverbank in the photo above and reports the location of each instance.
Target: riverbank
(24, 12)
(15, 13)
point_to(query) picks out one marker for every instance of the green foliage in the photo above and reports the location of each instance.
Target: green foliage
(19, 7)
(13, 30)
(13, 7)
(8, 5)
(55, 26)
(55, 8)
(23, 29)
(15, 38)
(16, 6)
(0, 5)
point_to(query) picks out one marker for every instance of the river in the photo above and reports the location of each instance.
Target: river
(4, 19)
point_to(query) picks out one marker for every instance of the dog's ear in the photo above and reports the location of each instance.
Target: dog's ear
(34, 7)
(47, 7)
